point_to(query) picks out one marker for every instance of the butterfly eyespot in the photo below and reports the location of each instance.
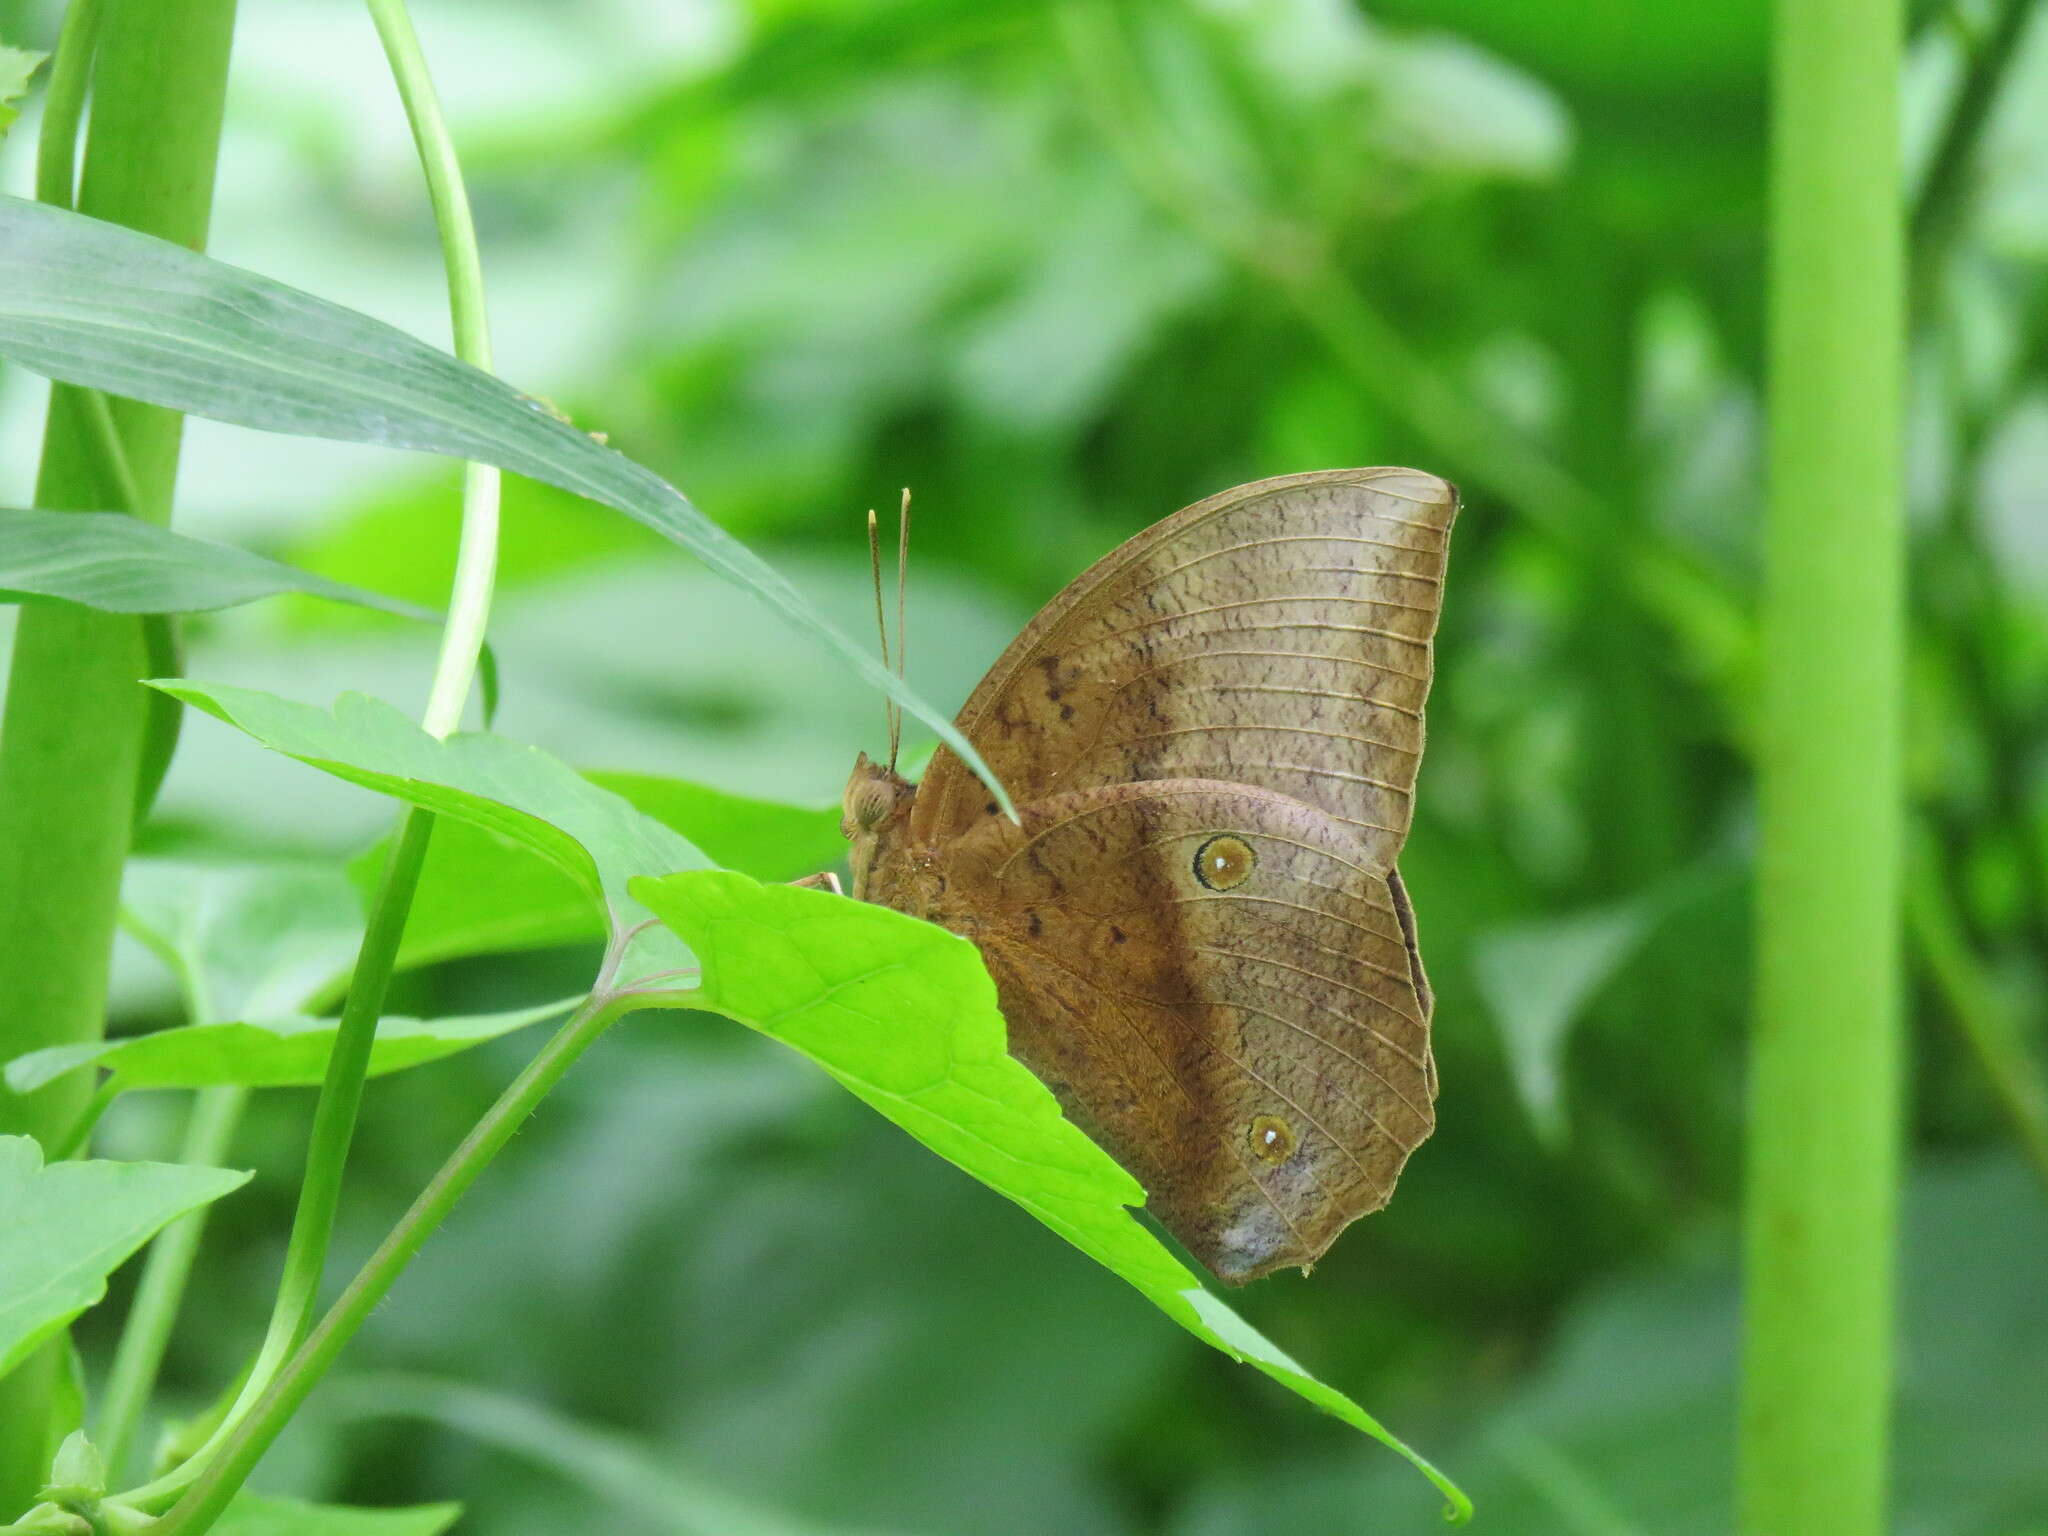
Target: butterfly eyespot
(1272, 1139)
(1224, 862)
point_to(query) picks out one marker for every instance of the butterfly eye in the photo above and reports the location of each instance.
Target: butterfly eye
(1272, 1139)
(868, 804)
(1224, 862)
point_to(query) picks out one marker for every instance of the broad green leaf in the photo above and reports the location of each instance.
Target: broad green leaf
(87, 302)
(255, 1514)
(903, 1014)
(16, 66)
(593, 836)
(269, 1053)
(1538, 978)
(762, 838)
(122, 564)
(479, 894)
(246, 940)
(71, 1225)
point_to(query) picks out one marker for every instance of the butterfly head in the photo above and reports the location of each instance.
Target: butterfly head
(876, 809)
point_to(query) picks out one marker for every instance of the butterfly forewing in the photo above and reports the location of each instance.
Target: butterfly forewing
(1216, 984)
(1278, 635)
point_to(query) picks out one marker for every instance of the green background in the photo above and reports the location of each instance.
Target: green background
(797, 255)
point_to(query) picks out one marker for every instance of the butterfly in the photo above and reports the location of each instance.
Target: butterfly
(1198, 935)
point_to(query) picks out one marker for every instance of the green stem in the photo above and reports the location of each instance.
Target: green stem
(1823, 1136)
(1938, 208)
(73, 1142)
(71, 743)
(225, 1472)
(1987, 1025)
(476, 556)
(140, 1354)
(64, 105)
(341, 1092)
(334, 1119)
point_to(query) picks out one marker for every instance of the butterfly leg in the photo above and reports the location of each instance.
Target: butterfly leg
(823, 880)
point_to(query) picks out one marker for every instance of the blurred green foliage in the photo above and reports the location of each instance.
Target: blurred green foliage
(1062, 271)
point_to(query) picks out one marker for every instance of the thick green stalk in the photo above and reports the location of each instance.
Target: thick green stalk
(215, 1113)
(1824, 1094)
(251, 1437)
(72, 738)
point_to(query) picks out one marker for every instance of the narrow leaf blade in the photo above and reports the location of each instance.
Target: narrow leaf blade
(87, 302)
(269, 1053)
(121, 564)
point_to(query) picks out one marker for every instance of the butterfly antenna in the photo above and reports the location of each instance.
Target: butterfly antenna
(889, 708)
(902, 628)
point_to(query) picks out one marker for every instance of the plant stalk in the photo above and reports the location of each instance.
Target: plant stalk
(476, 557)
(462, 635)
(1823, 1145)
(225, 1471)
(215, 1114)
(1939, 208)
(1986, 1022)
(71, 742)
(334, 1117)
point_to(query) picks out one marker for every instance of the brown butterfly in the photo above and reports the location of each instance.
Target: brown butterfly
(1197, 933)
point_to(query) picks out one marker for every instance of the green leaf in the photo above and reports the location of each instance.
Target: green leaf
(90, 303)
(479, 894)
(16, 66)
(253, 1514)
(1538, 978)
(70, 1225)
(121, 564)
(271, 1053)
(763, 838)
(903, 1015)
(593, 836)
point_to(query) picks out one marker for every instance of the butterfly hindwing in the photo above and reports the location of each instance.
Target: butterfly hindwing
(1217, 984)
